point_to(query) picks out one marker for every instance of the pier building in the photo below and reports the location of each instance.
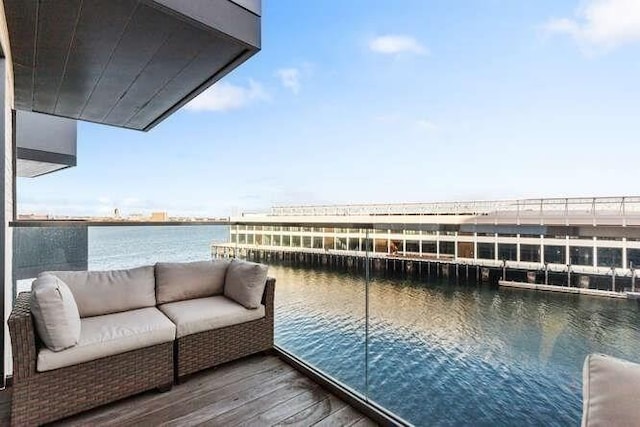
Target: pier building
(583, 242)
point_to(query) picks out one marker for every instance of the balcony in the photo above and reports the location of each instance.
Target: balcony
(401, 338)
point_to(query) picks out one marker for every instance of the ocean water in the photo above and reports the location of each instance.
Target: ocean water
(437, 353)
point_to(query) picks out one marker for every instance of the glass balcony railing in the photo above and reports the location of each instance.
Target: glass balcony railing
(412, 323)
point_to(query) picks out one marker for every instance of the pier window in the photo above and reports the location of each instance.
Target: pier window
(411, 247)
(367, 245)
(317, 243)
(257, 228)
(465, 250)
(258, 239)
(447, 248)
(277, 240)
(329, 242)
(242, 239)
(633, 258)
(341, 243)
(555, 254)
(267, 240)
(429, 248)
(579, 255)
(354, 244)
(307, 242)
(610, 257)
(429, 232)
(530, 253)
(286, 240)
(486, 251)
(507, 251)
(381, 246)
(295, 241)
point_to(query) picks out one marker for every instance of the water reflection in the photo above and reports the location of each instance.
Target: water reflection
(442, 354)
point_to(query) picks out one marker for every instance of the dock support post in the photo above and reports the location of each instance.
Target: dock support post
(613, 279)
(546, 273)
(568, 274)
(504, 269)
(633, 279)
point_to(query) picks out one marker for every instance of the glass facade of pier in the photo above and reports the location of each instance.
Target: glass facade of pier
(588, 250)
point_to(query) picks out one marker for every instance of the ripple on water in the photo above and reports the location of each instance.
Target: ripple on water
(441, 354)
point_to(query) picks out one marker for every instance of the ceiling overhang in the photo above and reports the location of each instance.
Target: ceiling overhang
(126, 63)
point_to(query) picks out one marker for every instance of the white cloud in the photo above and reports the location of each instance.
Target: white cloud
(394, 44)
(290, 79)
(603, 24)
(225, 96)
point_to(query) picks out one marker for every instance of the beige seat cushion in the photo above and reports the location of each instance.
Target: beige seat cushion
(55, 313)
(204, 314)
(110, 334)
(245, 282)
(103, 292)
(188, 280)
(610, 391)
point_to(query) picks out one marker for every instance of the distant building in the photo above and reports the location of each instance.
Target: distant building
(159, 216)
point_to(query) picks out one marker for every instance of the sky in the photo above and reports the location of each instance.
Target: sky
(377, 101)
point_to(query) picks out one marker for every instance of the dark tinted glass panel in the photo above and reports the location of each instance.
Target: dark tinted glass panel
(530, 253)
(580, 255)
(447, 248)
(486, 251)
(507, 252)
(354, 244)
(412, 247)
(610, 257)
(633, 258)
(554, 254)
(429, 248)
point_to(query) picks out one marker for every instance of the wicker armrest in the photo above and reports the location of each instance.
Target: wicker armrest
(23, 337)
(267, 297)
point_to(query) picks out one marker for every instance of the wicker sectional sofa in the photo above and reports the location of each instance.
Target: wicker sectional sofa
(138, 329)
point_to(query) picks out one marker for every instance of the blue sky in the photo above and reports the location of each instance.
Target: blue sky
(385, 101)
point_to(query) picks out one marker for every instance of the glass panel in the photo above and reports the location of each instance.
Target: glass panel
(555, 254)
(507, 251)
(486, 251)
(610, 257)
(580, 255)
(320, 311)
(530, 253)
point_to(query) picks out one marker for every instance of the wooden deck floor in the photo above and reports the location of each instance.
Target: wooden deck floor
(257, 391)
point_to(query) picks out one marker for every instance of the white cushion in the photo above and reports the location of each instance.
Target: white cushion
(110, 334)
(187, 280)
(204, 314)
(103, 292)
(55, 313)
(245, 282)
(610, 390)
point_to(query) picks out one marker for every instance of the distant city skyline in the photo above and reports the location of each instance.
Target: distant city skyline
(410, 102)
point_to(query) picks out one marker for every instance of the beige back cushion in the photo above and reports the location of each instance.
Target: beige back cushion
(55, 313)
(610, 390)
(189, 280)
(106, 292)
(245, 282)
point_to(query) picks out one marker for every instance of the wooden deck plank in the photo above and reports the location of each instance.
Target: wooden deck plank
(223, 399)
(231, 379)
(344, 417)
(314, 413)
(262, 404)
(240, 403)
(288, 408)
(256, 391)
